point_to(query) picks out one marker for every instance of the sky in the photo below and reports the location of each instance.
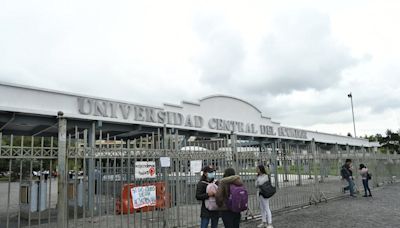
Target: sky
(295, 60)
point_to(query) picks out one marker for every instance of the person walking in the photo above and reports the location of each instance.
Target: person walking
(266, 215)
(365, 178)
(347, 174)
(206, 215)
(230, 218)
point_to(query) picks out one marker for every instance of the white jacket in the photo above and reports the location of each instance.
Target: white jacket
(261, 179)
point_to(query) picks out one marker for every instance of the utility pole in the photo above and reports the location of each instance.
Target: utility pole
(352, 111)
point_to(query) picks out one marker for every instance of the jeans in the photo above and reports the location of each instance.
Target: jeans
(350, 187)
(366, 186)
(230, 219)
(205, 221)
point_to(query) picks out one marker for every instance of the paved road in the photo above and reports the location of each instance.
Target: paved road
(383, 211)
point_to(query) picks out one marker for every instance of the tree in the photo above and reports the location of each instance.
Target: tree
(389, 132)
(391, 141)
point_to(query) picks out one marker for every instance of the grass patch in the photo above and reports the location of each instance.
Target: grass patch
(3, 179)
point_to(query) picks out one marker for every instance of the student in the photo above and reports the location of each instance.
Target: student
(201, 194)
(347, 174)
(266, 215)
(230, 218)
(364, 177)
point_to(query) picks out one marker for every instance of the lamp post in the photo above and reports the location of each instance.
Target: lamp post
(352, 111)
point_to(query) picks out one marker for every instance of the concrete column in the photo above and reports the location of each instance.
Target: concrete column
(91, 165)
(62, 175)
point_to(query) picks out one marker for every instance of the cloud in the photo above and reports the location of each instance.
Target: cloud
(298, 53)
(301, 54)
(296, 63)
(223, 53)
(295, 70)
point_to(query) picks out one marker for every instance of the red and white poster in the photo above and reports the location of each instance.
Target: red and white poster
(145, 169)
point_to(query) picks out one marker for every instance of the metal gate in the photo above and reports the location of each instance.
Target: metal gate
(87, 178)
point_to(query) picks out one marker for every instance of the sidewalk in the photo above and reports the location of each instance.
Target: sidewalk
(383, 210)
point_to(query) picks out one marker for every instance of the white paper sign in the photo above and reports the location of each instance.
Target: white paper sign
(195, 166)
(165, 161)
(145, 169)
(143, 196)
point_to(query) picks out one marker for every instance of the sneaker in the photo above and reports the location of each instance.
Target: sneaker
(262, 225)
(270, 226)
(365, 196)
(370, 195)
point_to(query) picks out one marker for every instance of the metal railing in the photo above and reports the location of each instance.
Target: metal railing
(88, 178)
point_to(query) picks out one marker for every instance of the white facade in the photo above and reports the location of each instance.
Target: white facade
(215, 114)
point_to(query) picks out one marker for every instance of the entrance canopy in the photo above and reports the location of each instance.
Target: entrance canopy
(33, 111)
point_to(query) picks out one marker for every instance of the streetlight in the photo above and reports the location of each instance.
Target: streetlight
(352, 110)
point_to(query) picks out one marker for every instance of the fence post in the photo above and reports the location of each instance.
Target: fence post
(322, 164)
(363, 151)
(262, 153)
(235, 152)
(165, 153)
(375, 177)
(309, 171)
(275, 161)
(387, 168)
(347, 152)
(91, 166)
(355, 168)
(363, 155)
(298, 164)
(314, 153)
(177, 181)
(62, 177)
(339, 158)
(284, 153)
(315, 163)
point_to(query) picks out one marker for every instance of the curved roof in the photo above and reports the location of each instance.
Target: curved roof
(230, 97)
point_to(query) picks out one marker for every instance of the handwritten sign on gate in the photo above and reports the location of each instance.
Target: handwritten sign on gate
(145, 169)
(195, 166)
(143, 196)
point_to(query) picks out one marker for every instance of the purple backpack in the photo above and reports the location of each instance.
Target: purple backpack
(238, 198)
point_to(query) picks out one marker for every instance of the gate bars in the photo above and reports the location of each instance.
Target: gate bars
(91, 178)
